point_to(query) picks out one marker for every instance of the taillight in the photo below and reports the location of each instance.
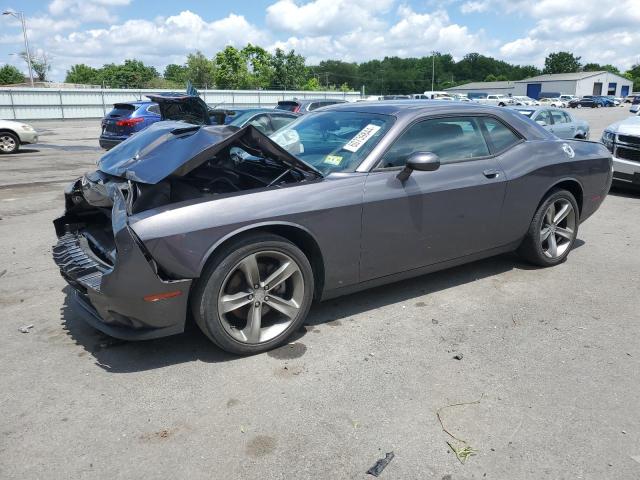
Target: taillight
(129, 122)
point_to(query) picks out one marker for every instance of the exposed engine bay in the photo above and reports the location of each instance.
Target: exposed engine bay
(233, 165)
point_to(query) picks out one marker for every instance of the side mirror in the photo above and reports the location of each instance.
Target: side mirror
(421, 161)
(542, 123)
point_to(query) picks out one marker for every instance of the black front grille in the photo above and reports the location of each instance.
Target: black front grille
(80, 268)
(629, 139)
(628, 154)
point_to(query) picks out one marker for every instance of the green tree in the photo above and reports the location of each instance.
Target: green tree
(10, 74)
(596, 67)
(259, 65)
(561, 62)
(312, 84)
(175, 73)
(231, 69)
(200, 70)
(40, 63)
(290, 71)
(131, 74)
(83, 74)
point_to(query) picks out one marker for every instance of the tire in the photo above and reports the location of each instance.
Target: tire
(232, 331)
(533, 247)
(9, 143)
(578, 106)
(501, 104)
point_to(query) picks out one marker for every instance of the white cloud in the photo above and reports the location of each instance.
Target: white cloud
(320, 17)
(156, 42)
(87, 10)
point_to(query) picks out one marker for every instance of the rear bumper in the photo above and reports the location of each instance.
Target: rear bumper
(109, 142)
(116, 298)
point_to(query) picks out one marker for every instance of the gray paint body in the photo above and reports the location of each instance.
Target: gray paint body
(370, 227)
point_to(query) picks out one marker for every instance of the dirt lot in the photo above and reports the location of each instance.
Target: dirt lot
(552, 356)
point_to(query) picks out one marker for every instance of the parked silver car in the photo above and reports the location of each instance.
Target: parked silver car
(623, 141)
(562, 124)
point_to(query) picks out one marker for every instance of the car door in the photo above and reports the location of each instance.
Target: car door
(561, 128)
(432, 216)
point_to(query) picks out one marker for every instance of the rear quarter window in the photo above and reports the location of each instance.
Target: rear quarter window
(501, 136)
(154, 109)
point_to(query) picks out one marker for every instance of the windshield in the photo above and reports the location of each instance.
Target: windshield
(240, 119)
(333, 141)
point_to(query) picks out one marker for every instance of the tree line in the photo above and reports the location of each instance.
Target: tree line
(253, 67)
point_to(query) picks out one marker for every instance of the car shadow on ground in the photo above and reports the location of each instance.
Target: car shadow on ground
(625, 191)
(23, 150)
(118, 356)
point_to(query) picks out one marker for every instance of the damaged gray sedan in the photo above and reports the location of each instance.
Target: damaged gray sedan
(244, 231)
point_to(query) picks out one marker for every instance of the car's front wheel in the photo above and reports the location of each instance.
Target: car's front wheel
(254, 294)
(552, 231)
(9, 143)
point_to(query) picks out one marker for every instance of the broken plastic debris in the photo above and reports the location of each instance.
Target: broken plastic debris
(26, 328)
(381, 464)
(458, 356)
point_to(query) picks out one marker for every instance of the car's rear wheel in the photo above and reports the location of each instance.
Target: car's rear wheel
(553, 230)
(578, 106)
(254, 294)
(9, 143)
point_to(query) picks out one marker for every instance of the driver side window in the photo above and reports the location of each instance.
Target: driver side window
(453, 139)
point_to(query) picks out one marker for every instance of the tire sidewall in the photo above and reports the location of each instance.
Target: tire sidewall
(15, 139)
(206, 310)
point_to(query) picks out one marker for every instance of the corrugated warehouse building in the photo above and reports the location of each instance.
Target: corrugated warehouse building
(579, 83)
(505, 88)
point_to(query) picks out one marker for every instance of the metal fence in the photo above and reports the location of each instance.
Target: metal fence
(47, 103)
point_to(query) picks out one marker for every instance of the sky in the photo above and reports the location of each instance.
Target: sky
(160, 32)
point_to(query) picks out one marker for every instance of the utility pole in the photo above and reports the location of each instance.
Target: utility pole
(20, 16)
(433, 69)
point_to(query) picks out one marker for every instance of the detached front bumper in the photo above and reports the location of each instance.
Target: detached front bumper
(128, 299)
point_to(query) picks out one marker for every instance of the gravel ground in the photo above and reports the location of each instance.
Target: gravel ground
(551, 356)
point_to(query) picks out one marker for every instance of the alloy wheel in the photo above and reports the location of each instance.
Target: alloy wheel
(7, 143)
(261, 296)
(558, 228)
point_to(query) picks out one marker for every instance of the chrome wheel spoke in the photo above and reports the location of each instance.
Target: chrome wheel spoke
(254, 321)
(289, 308)
(551, 212)
(544, 233)
(553, 246)
(235, 301)
(562, 213)
(283, 272)
(564, 232)
(249, 267)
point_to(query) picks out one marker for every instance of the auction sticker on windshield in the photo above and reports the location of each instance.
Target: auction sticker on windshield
(333, 160)
(361, 138)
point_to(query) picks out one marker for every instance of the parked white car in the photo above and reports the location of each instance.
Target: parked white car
(526, 101)
(433, 95)
(13, 134)
(460, 97)
(567, 98)
(623, 141)
(552, 102)
(497, 99)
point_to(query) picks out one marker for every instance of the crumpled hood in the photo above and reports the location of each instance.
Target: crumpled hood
(176, 148)
(628, 126)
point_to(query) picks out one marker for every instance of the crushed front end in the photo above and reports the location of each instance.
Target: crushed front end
(119, 287)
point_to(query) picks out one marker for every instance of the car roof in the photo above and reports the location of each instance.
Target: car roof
(410, 107)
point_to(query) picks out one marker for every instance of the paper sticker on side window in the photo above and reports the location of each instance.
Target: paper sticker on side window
(361, 138)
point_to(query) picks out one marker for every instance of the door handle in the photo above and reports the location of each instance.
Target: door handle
(491, 173)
